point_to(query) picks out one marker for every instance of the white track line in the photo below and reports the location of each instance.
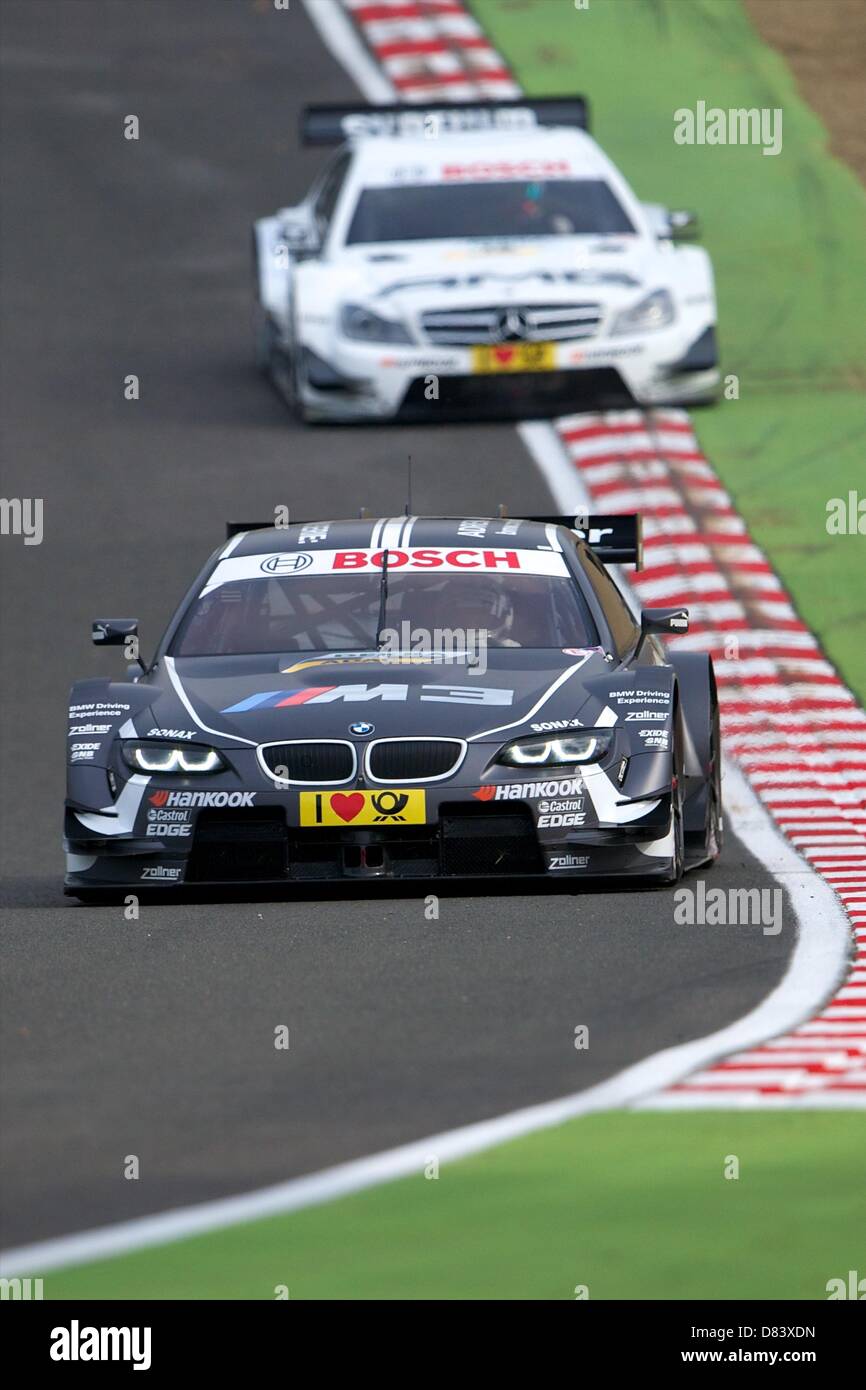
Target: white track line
(340, 36)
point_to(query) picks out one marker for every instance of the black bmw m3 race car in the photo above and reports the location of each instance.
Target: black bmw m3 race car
(413, 698)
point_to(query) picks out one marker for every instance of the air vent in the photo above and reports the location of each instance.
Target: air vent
(319, 762)
(414, 759)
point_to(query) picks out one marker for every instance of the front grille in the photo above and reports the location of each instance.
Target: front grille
(510, 395)
(413, 759)
(318, 761)
(233, 846)
(489, 841)
(256, 846)
(531, 323)
(398, 851)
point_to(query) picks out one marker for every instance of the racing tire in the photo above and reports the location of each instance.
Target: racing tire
(714, 823)
(264, 341)
(285, 373)
(678, 859)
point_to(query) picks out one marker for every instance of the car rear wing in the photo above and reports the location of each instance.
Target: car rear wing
(234, 528)
(331, 125)
(616, 540)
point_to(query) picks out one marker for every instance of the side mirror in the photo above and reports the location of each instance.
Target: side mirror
(684, 225)
(301, 236)
(118, 632)
(113, 632)
(663, 621)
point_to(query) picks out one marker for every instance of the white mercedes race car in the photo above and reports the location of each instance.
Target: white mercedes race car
(478, 260)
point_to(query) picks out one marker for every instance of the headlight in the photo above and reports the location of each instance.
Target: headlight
(367, 327)
(655, 311)
(172, 758)
(585, 747)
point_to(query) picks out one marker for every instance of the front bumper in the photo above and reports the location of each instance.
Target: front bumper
(264, 845)
(346, 380)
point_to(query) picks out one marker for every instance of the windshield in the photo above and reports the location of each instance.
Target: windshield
(430, 211)
(288, 613)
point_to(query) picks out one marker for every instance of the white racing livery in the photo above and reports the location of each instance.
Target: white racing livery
(485, 259)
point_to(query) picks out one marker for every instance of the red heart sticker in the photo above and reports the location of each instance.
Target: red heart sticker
(347, 807)
(503, 354)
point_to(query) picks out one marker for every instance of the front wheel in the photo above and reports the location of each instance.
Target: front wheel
(678, 857)
(714, 831)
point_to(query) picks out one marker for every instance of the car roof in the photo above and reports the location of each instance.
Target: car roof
(397, 533)
(378, 158)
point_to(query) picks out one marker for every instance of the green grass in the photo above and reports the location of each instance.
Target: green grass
(788, 239)
(632, 1205)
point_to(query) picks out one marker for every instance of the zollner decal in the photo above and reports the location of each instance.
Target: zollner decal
(88, 729)
(568, 861)
(161, 871)
(640, 715)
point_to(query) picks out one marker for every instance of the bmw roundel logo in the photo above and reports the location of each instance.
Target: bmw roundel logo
(361, 728)
(286, 564)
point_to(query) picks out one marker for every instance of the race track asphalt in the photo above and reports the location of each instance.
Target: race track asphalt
(155, 1038)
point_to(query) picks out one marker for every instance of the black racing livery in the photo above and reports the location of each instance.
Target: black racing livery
(403, 698)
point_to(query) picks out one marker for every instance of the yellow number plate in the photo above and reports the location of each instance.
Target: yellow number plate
(514, 357)
(364, 808)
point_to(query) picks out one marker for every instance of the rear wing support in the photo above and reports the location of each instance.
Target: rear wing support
(616, 539)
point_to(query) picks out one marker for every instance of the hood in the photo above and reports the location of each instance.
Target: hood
(407, 277)
(267, 699)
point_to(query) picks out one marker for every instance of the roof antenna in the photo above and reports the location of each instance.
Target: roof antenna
(409, 498)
